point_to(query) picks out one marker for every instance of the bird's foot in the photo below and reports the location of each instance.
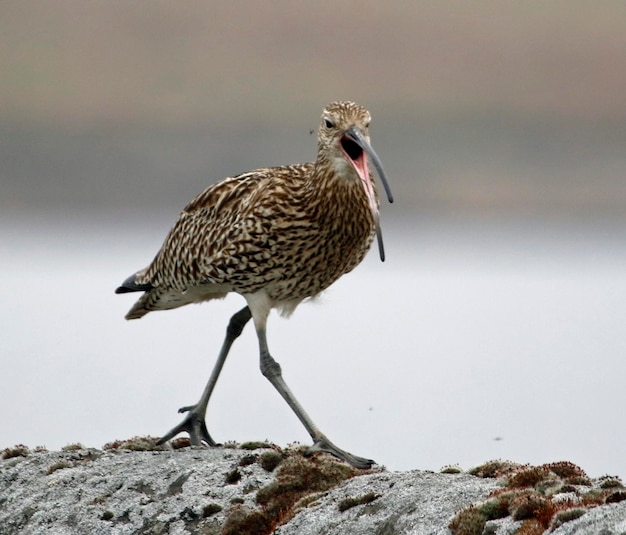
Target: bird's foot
(194, 425)
(322, 444)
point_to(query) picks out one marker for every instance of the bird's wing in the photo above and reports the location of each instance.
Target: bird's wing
(227, 232)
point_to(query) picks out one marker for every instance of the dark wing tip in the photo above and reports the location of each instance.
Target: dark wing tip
(129, 285)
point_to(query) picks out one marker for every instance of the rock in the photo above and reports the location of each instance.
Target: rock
(126, 492)
(409, 502)
(603, 520)
(264, 489)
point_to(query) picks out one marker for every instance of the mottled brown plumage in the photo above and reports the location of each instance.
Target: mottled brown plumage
(277, 236)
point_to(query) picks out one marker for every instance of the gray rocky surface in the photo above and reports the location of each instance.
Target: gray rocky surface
(123, 492)
(410, 502)
(193, 491)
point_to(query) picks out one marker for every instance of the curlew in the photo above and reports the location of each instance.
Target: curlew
(276, 236)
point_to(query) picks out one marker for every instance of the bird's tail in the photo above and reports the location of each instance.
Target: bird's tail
(131, 285)
(140, 308)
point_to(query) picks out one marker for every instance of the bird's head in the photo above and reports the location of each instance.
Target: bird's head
(344, 141)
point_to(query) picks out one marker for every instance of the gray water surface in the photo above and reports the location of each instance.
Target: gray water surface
(473, 341)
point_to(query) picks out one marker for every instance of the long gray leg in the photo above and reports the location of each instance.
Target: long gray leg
(194, 422)
(271, 369)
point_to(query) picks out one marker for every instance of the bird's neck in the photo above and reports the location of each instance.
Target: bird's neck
(335, 192)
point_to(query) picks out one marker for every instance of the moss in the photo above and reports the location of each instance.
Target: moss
(58, 466)
(593, 497)
(451, 469)
(531, 527)
(529, 476)
(254, 445)
(497, 507)
(211, 509)
(76, 446)
(308, 500)
(584, 481)
(567, 516)
(244, 521)
(566, 470)
(611, 482)
(532, 505)
(297, 477)
(107, 515)
(247, 460)
(233, 476)
(348, 503)
(269, 460)
(616, 497)
(19, 450)
(135, 444)
(493, 469)
(530, 494)
(469, 521)
(179, 443)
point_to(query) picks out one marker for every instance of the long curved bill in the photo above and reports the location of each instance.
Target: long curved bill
(355, 135)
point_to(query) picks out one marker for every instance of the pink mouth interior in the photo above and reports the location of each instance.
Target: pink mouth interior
(362, 169)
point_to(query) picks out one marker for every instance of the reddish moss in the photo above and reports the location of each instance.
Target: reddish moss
(593, 497)
(531, 527)
(245, 521)
(135, 444)
(494, 469)
(528, 476)
(531, 505)
(528, 497)
(297, 477)
(180, 443)
(565, 470)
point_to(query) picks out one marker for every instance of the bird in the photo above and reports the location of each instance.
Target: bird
(277, 236)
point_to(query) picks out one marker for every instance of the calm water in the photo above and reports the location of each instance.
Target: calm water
(472, 341)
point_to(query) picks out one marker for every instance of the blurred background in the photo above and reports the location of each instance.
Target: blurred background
(495, 329)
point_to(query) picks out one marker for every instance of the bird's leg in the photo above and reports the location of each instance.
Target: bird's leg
(194, 422)
(271, 369)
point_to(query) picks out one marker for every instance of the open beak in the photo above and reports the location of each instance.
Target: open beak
(356, 147)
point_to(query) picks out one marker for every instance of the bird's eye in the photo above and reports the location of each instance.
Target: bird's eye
(328, 123)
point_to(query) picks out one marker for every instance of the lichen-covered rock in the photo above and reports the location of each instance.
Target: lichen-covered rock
(96, 492)
(134, 487)
(408, 503)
